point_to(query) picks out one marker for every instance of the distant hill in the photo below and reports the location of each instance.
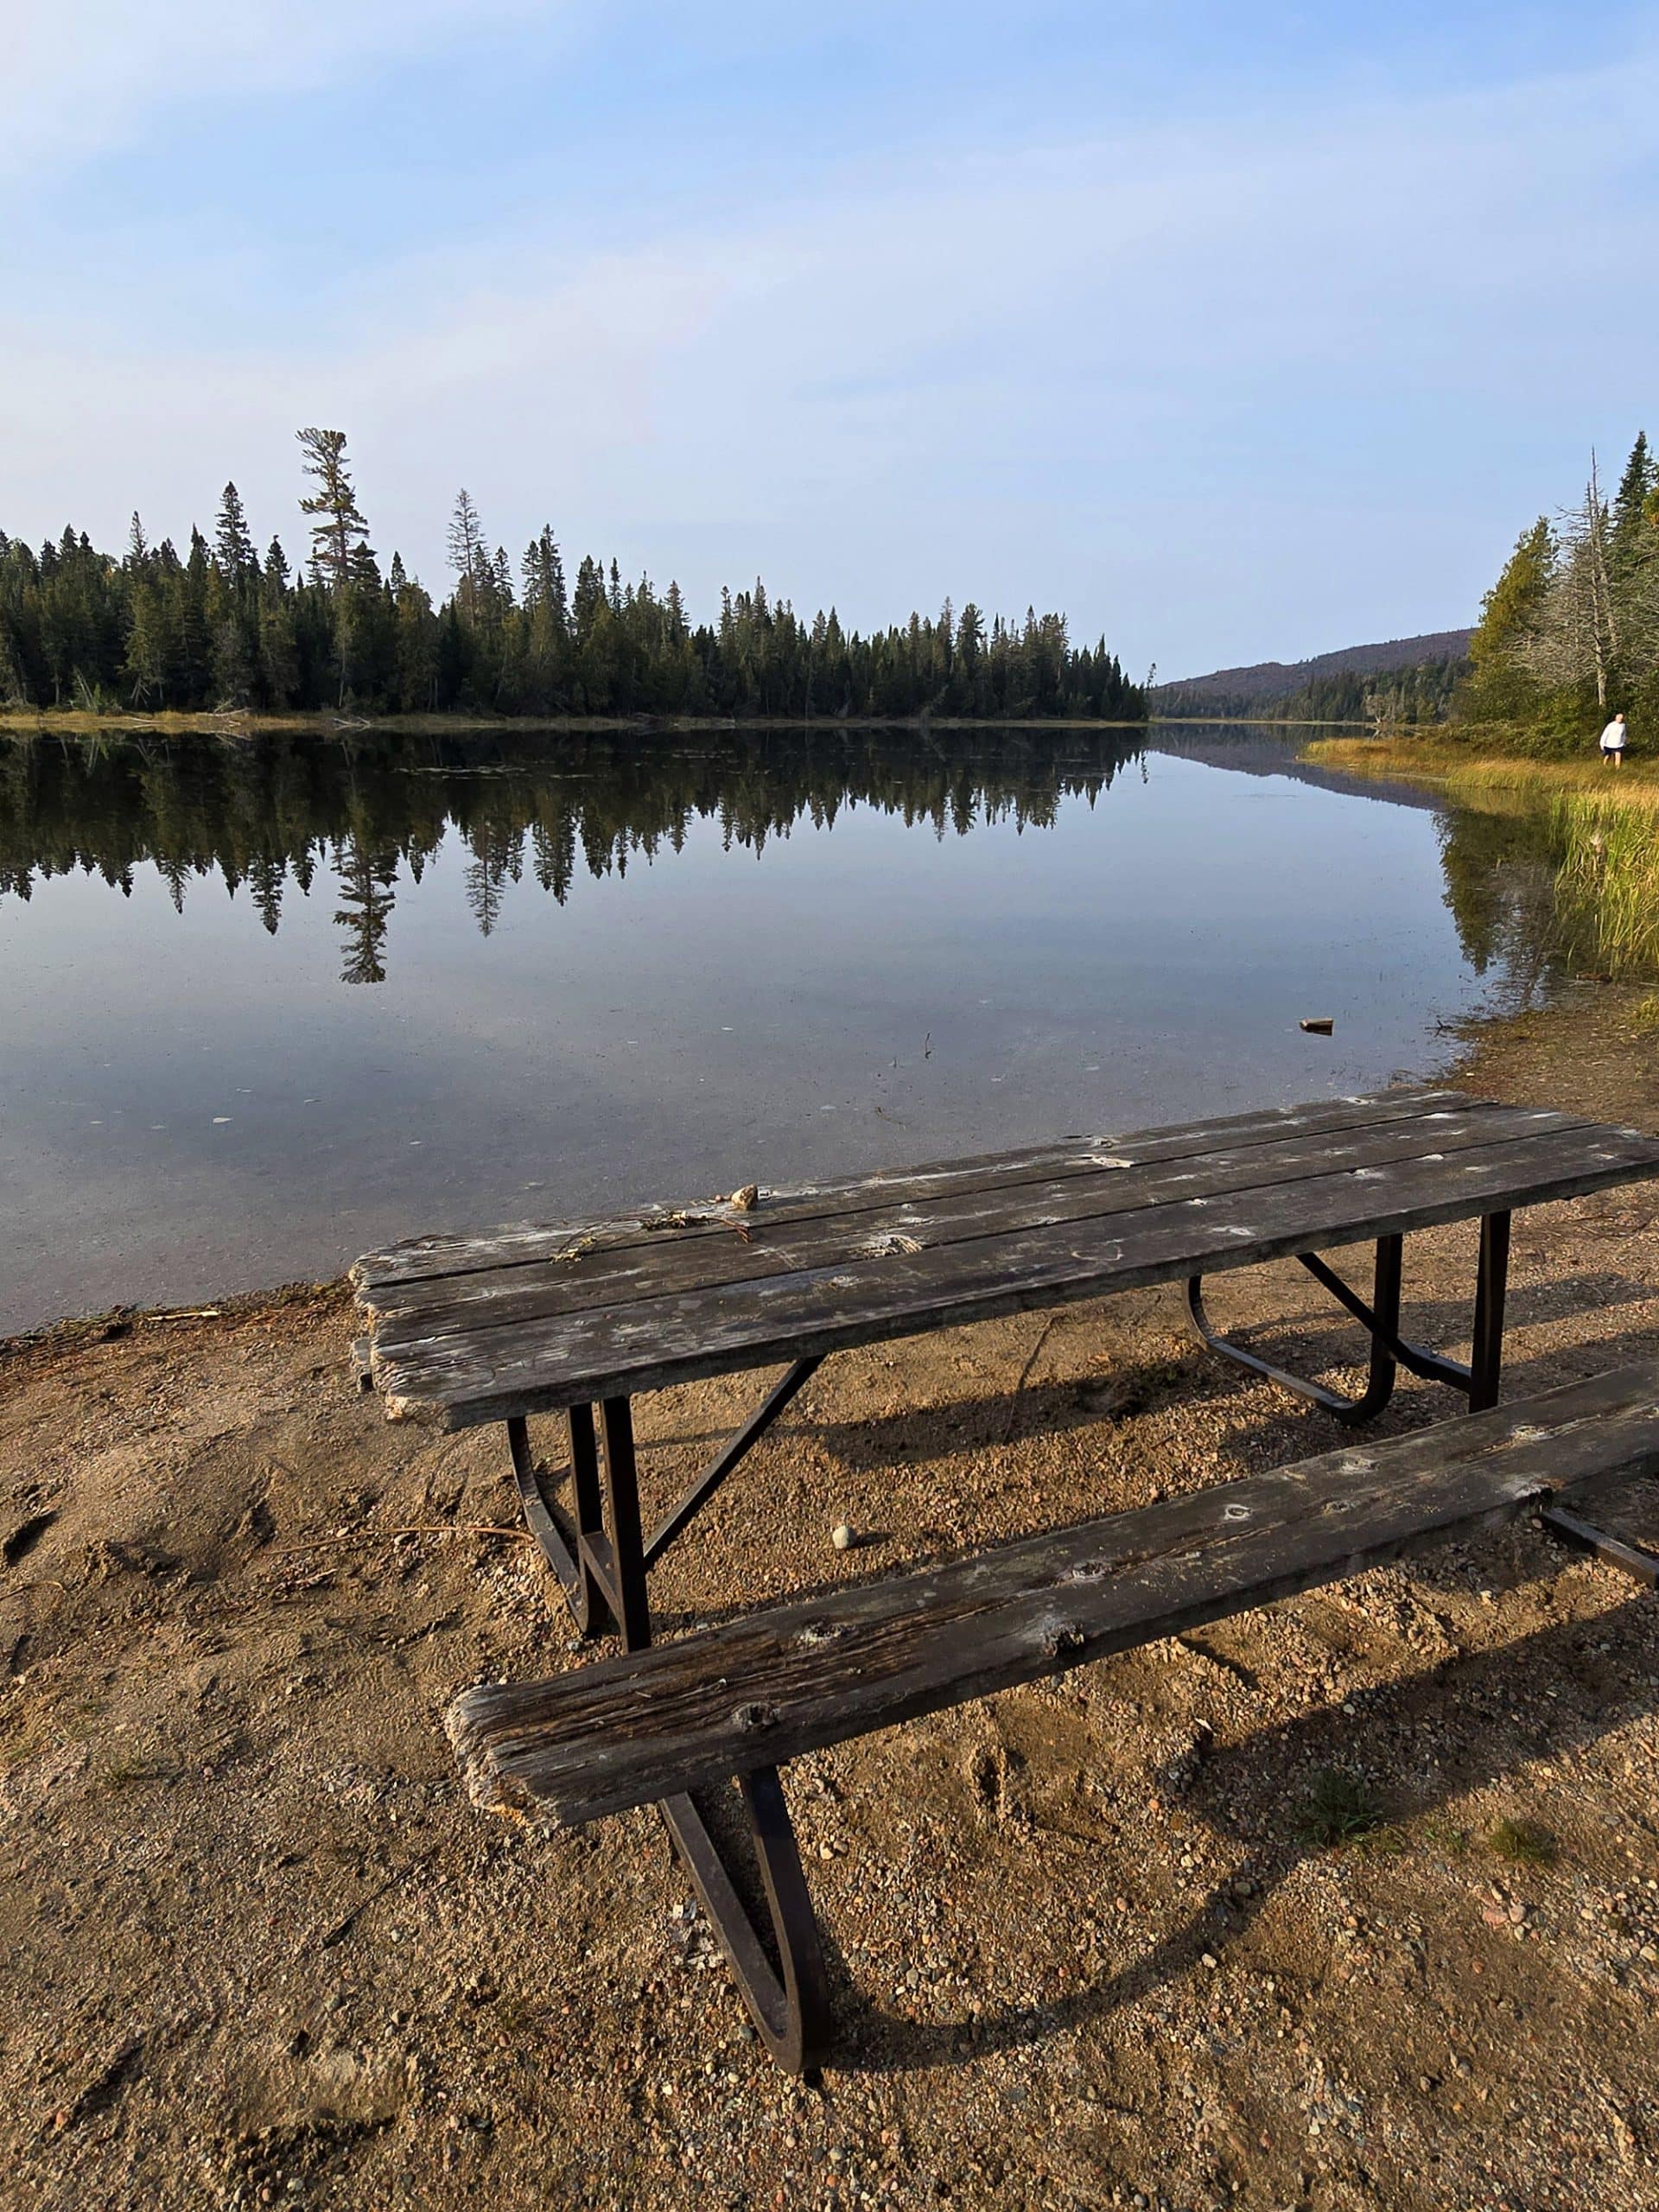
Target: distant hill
(1267, 687)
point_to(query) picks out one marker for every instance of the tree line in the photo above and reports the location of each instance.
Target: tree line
(1569, 634)
(223, 626)
(1419, 691)
(1422, 692)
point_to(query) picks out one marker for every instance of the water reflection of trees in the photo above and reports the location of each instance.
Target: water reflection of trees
(1501, 874)
(266, 812)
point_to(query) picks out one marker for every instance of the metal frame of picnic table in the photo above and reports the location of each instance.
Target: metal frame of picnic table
(1389, 1350)
(762, 1912)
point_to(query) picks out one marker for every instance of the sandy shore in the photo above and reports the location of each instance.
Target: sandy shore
(260, 1950)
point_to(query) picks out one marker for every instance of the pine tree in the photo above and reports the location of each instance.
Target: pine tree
(340, 535)
(278, 653)
(417, 649)
(543, 577)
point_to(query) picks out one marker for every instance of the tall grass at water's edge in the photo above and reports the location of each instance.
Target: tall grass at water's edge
(1609, 875)
(1603, 831)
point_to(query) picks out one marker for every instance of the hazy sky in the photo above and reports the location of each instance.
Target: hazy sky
(1236, 331)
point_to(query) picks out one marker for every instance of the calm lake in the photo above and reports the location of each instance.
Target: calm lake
(264, 1003)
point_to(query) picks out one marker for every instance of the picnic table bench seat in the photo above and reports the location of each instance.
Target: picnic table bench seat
(738, 1700)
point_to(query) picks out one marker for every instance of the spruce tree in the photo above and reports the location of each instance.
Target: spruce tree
(233, 547)
(1629, 502)
(468, 555)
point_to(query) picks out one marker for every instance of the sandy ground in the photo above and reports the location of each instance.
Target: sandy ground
(1087, 1947)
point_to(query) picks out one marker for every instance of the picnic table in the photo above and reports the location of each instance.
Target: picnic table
(580, 1317)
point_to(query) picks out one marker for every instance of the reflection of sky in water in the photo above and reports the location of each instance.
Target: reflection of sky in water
(189, 1104)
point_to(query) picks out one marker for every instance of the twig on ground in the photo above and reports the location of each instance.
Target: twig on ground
(1025, 1376)
(415, 1529)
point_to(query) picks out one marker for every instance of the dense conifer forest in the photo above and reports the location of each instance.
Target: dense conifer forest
(1421, 693)
(222, 626)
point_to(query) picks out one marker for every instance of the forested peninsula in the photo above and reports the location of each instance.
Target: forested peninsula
(222, 626)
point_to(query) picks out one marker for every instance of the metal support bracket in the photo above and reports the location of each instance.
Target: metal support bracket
(1477, 1380)
(724, 1461)
(1633, 1560)
(1381, 1318)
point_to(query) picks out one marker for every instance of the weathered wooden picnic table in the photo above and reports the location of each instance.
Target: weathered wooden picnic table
(580, 1317)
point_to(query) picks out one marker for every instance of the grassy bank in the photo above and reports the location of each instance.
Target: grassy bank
(1473, 771)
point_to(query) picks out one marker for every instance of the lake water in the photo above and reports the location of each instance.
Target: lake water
(265, 1004)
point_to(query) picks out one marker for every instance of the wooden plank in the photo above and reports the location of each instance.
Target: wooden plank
(529, 1243)
(612, 1352)
(766, 1688)
(408, 1314)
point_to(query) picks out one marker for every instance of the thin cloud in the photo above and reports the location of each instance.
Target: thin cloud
(82, 77)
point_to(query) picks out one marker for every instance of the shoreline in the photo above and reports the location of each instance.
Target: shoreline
(74, 721)
(264, 1949)
(1580, 1027)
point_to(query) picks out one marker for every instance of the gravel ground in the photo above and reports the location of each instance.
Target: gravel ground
(1091, 1943)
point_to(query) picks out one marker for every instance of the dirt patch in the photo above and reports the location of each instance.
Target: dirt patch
(1353, 1902)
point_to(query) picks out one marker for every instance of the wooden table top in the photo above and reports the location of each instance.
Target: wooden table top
(531, 1318)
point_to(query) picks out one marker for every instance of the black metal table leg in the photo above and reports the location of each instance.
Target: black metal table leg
(623, 1554)
(788, 2001)
(597, 1557)
(761, 1913)
(693, 1501)
(1389, 1350)
(1382, 1318)
(564, 1544)
(1492, 1281)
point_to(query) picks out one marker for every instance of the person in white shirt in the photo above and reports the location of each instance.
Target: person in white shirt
(1613, 741)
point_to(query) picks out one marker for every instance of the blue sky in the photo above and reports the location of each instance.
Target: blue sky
(1235, 331)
